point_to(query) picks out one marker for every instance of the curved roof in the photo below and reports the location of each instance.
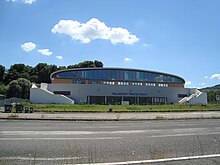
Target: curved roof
(111, 68)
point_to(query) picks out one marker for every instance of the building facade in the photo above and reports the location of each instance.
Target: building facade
(115, 86)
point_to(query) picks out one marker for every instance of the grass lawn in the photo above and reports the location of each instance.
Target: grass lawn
(122, 108)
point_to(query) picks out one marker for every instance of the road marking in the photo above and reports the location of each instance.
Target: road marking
(189, 134)
(192, 131)
(113, 163)
(98, 138)
(38, 159)
(69, 132)
(158, 160)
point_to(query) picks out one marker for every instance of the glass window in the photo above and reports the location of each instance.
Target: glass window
(96, 100)
(159, 78)
(112, 100)
(88, 74)
(132, 100)
(148, 77)
(166, 78)
(129, 75)
(93, 82)
(67, 75)
(82, 74)
(62, 92)
(182, 95)
(99, 74)
(117, 76)
(120, 75)
(141, 76)
(78, 81)
(112, 74)
(145, 100)
(138, 76)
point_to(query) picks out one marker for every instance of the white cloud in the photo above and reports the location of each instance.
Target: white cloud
(215, 76)
(94, 29)
(23, 1)
(206, 77)
(147, 45)
(188, 83)
(28, 46)
(203, 83)
(45, 52)
(127, 59)
(59, 57)
(120, 35)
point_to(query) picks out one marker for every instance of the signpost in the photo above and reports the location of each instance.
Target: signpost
(217, 97)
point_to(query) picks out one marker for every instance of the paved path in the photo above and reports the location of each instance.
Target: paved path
(113, 116)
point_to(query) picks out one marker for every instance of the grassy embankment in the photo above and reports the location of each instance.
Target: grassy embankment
(122, 108)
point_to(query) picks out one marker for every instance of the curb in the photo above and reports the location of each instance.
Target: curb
(66, 119)
(110, 116)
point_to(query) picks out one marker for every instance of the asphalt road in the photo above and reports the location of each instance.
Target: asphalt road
(59, 142)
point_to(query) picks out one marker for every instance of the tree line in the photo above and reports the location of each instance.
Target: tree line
(16, 81)
(214, 96)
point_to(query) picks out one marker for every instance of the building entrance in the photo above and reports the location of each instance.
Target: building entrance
(117, 100)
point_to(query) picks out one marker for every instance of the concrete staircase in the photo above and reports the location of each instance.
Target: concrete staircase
(197, 97)
(44, 96)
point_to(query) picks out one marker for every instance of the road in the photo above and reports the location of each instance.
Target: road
(68, 142)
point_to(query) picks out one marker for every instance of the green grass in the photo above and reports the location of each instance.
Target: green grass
(121, 108)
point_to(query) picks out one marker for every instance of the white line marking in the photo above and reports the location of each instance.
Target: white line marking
(98, 138)
(69, 132)
(98, 132)
(158, 160)
(113, 163)
(189, 134)
(37, 159)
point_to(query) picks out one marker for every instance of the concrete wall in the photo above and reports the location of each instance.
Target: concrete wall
(38, 95)
(79, 92)
(196, 97)
(201, 99)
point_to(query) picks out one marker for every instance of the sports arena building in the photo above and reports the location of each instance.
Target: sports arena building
(115, 86)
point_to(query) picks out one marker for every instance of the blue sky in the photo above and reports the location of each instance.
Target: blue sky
(180, 37)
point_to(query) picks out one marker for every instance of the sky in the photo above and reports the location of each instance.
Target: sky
(180, 37)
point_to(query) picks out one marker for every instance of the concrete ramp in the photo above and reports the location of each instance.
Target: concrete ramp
(197, 97)
(44, 96)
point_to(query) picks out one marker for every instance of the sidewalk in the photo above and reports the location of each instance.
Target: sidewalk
(112, 116)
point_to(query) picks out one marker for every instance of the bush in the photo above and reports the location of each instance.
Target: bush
(3, 89)
(19, 88)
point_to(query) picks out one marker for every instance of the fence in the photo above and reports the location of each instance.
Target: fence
(11, 100)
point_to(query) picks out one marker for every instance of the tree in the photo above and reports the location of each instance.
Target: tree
(98, 63)
(19, 88)
(3, 89)
(25, 87)
(43, 72)
(61, 67)
(40, 73)
(2, 73)
(86, 64)
(212, 96)
(14, 90)
(17, 71)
